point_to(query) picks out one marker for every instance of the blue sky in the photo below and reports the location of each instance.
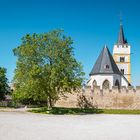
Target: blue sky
(91, 24)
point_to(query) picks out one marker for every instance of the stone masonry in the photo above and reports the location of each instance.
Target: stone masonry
(123, 98)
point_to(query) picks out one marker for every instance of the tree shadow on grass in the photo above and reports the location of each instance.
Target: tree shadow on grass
(74, 111)
(84, 106)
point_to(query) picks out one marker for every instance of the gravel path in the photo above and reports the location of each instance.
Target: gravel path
(28, 126)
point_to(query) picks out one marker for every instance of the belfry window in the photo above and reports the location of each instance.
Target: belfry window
(122, 71)
(122, 59)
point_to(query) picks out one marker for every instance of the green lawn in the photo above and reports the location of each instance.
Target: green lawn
(60, 111)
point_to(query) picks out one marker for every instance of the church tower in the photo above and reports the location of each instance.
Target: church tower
(121, 55)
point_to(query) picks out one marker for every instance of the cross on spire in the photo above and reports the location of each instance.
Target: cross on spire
(120, 18)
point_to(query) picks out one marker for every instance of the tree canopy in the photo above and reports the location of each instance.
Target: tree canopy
(46, 68)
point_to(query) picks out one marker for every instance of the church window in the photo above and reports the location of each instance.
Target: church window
(122, 71)
(117, 83)
(122, 59)
(106, 66)
(106, 84)
(94, 83)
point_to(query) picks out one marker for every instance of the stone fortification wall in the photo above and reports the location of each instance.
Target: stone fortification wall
(123, 98)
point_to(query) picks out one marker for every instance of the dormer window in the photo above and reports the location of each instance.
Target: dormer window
(106, 66)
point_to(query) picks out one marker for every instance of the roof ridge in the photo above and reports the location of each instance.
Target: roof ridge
(102, 57)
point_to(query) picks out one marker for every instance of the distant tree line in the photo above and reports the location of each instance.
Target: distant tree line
(4, 87)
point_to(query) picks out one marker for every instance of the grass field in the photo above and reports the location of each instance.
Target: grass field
(76, 111)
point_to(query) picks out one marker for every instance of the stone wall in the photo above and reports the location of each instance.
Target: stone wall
(123, 98)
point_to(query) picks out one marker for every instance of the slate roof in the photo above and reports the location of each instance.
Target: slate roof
(121, 37)
(105, 64)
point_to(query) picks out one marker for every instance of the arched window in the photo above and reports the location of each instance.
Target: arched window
(117, 83)
(122, 71)
(106, 84)
(94, 84)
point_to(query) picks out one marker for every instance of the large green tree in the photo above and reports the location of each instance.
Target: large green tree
(46, 68)
(4, 88)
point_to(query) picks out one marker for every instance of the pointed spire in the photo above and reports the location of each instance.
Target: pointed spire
(121, 38)
(105, 46)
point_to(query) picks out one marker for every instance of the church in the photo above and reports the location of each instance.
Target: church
(112, 70)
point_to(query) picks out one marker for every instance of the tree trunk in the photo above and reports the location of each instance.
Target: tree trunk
(50, 103)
